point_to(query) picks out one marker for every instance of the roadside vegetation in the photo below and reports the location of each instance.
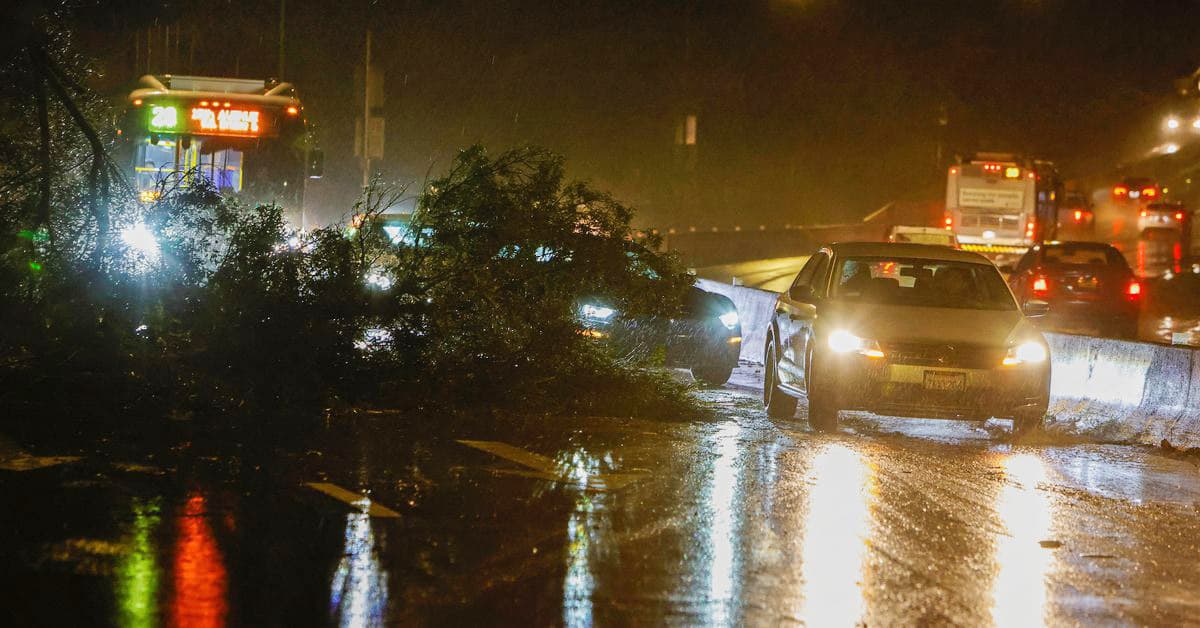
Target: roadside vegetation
(198, 306)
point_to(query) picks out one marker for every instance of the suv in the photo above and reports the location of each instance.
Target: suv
(707, 338)
(905, 330)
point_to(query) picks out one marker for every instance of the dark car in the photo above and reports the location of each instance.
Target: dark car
(1136, 189)
(1076, 218)
(1088, 285)
(707, 338)
(904, 330)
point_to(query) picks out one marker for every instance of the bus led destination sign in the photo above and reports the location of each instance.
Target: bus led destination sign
(204, 118)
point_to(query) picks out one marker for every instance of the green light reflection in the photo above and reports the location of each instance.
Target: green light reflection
(137, 573)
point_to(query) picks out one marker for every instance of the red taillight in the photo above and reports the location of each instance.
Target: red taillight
(1134, 289)
(1029, 227)
(1149, 192)
(1178, 215)
(992, 168)
(1120, 190)
(1144, 213)
(1040, 285)
(954, 170)
(293, 110)
(949, 222)
(1078, 216)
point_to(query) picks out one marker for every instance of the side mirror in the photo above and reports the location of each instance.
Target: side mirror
(1036, 309)
(802, 294)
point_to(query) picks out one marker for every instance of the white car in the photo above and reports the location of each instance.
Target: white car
(905, 330)
(923, 235)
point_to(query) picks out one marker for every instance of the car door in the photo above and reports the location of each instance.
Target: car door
(795, 312)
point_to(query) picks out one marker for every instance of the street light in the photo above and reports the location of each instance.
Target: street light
(1172, 123)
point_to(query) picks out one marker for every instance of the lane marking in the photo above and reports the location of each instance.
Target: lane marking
(354, 499)
(13, 458)
(537, 462)
(544, 468)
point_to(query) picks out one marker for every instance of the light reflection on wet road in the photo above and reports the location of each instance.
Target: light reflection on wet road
(731, 522)
(1019, 592)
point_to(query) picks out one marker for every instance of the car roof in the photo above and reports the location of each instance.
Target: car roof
(1078, 244)
(905, 249)
(912, 229)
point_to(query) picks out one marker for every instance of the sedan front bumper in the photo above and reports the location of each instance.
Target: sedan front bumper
(883, 387)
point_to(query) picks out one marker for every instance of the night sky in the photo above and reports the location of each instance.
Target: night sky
(808, 111)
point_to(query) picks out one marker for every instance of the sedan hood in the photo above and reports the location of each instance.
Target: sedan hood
(901, 323)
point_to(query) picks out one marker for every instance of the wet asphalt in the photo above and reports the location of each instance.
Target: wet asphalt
(734, 520)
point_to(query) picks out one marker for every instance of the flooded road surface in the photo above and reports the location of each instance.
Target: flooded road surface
(737, 520)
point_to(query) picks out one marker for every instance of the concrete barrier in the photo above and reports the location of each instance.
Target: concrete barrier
(1113, 390)
(1124, 391)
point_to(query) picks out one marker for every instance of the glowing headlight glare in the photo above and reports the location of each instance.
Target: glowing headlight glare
(1029, 352)
(842, 341)
(596, 311)
(729, 319)
(140, 238)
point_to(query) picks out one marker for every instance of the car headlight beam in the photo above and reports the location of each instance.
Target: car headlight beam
(729, 319)
(1028, 352)
(842, 341)
(598, 312)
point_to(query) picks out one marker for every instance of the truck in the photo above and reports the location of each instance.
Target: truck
(244, 136)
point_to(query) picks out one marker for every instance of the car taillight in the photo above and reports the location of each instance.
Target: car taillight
(1120, 190)
(1179, 216)
(1144, 213)
(1078, 216)
(1029, 226)
(1134, 290)
(1149, 192)
(949, 222)
(1040, 286)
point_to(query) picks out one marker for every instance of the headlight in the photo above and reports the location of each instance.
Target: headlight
(1028, 352)
(729, 319)
(598, 312)
(842, 341)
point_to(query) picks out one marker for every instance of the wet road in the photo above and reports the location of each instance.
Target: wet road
(737, 520)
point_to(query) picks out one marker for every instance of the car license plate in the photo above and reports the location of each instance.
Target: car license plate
(945, 382)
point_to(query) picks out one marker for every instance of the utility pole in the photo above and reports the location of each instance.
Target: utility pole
(282, 15)
(366, 125)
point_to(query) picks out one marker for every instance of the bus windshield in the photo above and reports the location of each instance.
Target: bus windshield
(922, 283)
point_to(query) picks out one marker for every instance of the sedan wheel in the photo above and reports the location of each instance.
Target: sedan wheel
(779, 404)
(822, 415)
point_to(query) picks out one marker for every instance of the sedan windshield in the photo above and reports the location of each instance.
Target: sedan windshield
(921, 283)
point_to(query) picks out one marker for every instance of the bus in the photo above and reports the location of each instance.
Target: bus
(244, 136)
(1000, 204)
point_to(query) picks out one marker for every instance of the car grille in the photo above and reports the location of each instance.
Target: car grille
(948, 355)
